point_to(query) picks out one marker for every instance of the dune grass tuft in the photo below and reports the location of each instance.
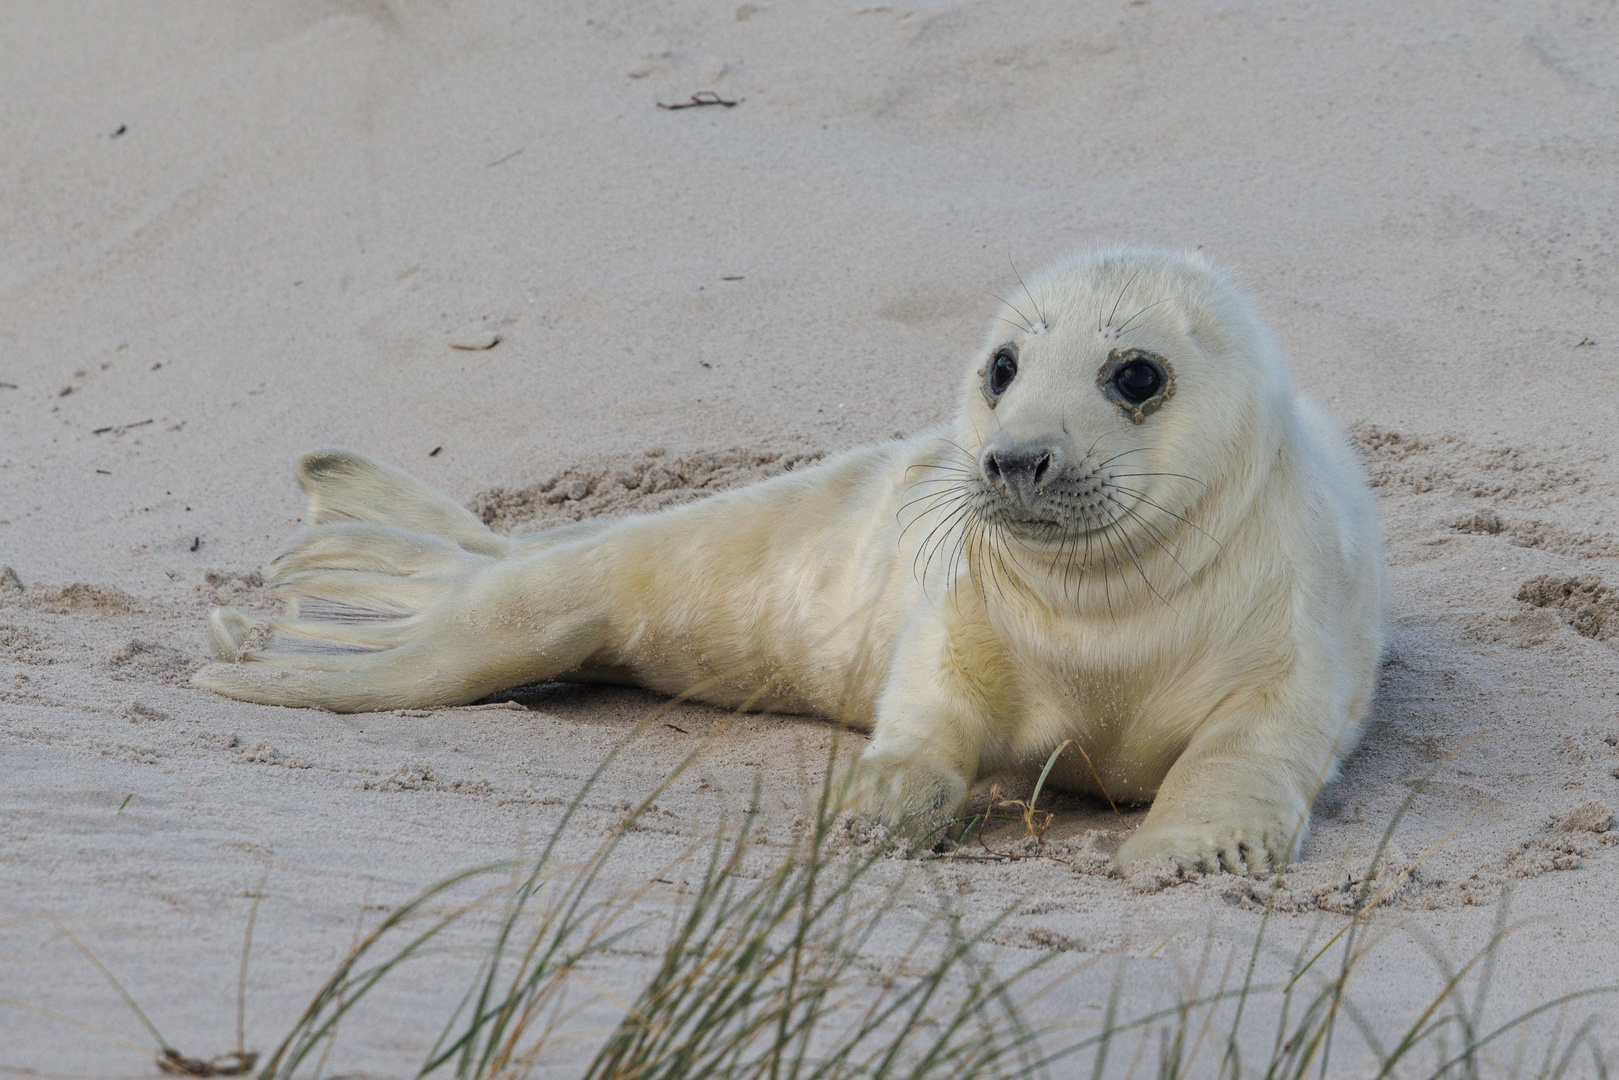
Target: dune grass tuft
(765, 973)
(778, 965)
(770, 972)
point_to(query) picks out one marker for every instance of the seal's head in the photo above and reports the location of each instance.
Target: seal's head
(1121, 399)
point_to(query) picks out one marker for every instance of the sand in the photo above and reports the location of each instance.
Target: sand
(230, 232)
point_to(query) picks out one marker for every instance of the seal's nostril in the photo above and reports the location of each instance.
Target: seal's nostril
(1041, 466)
(992, 468)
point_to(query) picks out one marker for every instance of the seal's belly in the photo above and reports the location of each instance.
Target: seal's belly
(783, 597)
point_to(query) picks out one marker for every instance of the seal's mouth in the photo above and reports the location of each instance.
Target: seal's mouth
(1039, 528)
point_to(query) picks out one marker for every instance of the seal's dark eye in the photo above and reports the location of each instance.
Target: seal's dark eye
(1138, 381)
(1001, 371)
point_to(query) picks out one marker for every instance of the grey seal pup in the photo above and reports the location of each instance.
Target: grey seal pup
(1134, 535)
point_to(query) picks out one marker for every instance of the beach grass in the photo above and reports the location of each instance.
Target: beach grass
(768, 972)
(778, 964)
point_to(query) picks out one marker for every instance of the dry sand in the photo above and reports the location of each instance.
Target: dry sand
(229, 232)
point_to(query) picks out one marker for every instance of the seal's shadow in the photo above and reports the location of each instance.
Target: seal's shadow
(1431, 708)
(1411, 738)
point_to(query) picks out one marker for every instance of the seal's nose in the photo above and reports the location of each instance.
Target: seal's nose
(1019, 471)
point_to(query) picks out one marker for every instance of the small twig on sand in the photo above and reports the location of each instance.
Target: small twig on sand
(508, 157)
(120, 427)
(168, 1059)
(235, 1063)
(701, 98)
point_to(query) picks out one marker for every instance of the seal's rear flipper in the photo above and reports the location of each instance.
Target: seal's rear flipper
(367, 607)
(345, 486)
(335, 691)
(227, 633)
(379, 617)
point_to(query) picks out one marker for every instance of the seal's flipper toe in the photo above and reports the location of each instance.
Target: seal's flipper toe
(227, 633)
(337, 691)
(345, 486)
(359, 545)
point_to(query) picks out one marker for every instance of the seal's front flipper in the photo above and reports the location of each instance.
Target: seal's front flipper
(345, 486)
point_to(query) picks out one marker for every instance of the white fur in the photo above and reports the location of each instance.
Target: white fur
(1214, 650)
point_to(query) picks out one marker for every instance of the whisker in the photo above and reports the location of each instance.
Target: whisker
(965, 550)
(1029, 294)
(950, 483)
(1156, 591)
(1092, 448)
(1073, 553)
(1110, 573)
(923, 563)
(1067, 545)
(952, 487)
(952, 567)
(1085, 567)
(1027, 326)
(951, 476)
(1125, 453)
(936, 465)
(955, 488)
(1158, 537)
(970, 549)
(1158, 506)
(1122, 291)
(948, 523)
(1182, 476)
(971, 457)
(924, 514)
(1166, 548)
(1014, 325)
(1130, 548)
(949, 471)
(1125, 328)
(1107, 593)
(998, 551)
(974, 540)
